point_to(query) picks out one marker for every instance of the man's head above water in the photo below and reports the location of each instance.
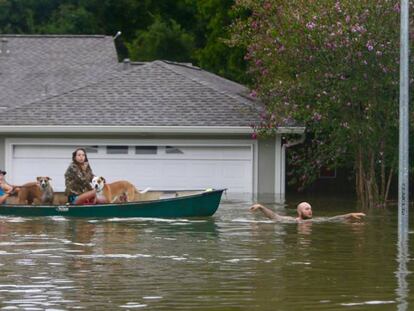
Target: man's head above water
(304, 210)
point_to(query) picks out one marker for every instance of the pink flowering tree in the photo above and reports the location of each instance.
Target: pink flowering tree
(332, 66)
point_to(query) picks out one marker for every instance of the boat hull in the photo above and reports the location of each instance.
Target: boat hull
(197, 205)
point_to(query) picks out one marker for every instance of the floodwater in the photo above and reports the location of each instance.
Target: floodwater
(232, 261)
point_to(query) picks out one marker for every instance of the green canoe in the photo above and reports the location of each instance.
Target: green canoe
(156, 204)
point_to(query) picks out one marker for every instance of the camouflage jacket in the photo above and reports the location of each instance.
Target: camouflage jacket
(77, 180)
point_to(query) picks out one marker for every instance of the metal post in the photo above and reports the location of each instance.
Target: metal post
(403, 190)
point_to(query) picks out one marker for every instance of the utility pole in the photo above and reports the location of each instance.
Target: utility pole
(403, 189)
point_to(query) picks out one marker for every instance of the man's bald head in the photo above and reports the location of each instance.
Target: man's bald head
(304, 210)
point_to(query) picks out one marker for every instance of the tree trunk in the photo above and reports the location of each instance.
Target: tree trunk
(372, 186)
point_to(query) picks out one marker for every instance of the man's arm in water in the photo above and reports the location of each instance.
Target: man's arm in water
(269, 213)
(350, 216)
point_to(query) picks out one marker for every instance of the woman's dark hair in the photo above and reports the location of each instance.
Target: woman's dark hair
(76, 151)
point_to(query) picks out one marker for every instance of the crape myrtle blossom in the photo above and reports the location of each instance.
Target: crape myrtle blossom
(317, 116)
(310, 25)
(369, 46)
(397, 7)
(336, 64)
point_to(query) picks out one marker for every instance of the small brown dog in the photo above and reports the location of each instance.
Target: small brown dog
(39, 192)
(116, 192)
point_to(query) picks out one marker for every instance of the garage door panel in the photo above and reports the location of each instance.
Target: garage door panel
(132, 170)
(42, 152)
(214, 152)
(26, 170)
(197, 167)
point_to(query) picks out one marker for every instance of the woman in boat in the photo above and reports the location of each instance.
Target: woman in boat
(5, 189)
(78, 179)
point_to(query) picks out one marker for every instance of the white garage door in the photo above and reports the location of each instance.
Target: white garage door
(158, 167)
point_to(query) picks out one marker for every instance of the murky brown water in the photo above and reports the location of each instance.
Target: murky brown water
(232, 261)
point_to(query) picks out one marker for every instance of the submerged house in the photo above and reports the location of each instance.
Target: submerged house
(158, 124)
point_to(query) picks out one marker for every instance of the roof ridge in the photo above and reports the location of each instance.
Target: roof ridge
(186, 65)
(204, 83)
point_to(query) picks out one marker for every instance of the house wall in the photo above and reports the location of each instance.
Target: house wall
(271, 171)
(266, 168)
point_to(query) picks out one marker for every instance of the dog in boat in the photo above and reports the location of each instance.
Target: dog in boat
(35, 193)
(117, 192)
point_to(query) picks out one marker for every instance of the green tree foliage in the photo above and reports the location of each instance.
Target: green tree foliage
(213, 53)
(333, 66)
(119, 15)
(163, 40)
(182, 11)
(71, 20)
(15, 17)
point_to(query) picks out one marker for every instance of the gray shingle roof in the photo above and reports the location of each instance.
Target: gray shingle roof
(34, 67)
(152, 94)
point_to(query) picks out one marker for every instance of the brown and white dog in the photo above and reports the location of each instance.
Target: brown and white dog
(39, 192)
(116, 192)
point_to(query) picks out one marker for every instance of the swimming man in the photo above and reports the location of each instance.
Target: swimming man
(304, 211)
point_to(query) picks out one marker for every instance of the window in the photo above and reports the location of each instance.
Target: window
(146, 149)
(117, 149)
(173, 150)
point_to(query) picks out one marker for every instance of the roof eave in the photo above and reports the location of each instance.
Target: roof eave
(34, 129)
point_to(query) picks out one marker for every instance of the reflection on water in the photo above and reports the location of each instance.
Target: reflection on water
(402, 271)
(232, 261)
